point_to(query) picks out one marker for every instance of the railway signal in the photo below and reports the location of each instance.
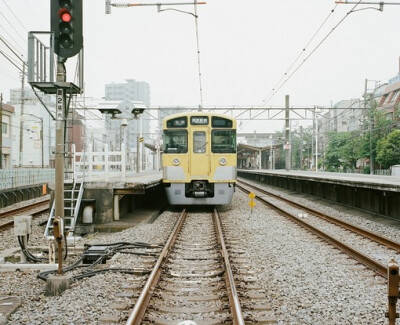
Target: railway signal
(66, 23)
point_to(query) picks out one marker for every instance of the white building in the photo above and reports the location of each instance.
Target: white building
(33, 135)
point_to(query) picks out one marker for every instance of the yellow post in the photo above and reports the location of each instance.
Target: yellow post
(252, 204)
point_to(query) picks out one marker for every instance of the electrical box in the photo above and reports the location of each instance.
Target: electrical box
(22, 225)
(95, 252)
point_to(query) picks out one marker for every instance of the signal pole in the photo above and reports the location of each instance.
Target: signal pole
(66, 23)
(60, 147)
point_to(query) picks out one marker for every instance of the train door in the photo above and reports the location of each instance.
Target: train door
(199, 162)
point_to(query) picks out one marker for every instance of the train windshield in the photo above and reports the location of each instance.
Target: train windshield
(199, 142)
(223, 141)
(175, 141)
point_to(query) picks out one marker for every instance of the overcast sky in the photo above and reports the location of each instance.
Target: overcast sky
(246, 46)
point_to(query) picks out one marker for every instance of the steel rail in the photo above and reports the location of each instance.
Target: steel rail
(367, 261)
(24, 208)
(10, 224)
(236, 310)
(144, 298)
(362, 232)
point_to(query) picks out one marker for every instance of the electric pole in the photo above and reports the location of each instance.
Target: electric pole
(301, 148)
(21, 122)
(1, 131)
(287, 130)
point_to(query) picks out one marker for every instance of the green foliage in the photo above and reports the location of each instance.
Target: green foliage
(388, 150)
(345, 148)
(343, 151)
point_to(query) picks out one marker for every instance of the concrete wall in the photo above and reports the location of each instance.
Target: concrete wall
(15, 195)
(370, 199)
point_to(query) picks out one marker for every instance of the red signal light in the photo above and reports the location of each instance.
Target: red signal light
(65, 15)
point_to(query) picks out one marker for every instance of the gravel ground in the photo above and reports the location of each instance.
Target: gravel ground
(308, 281)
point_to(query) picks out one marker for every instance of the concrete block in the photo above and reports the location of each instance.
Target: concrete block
(84, 229)
(8, 305)
(57, 284)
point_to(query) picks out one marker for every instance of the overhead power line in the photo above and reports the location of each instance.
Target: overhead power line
(198, 51)
(11, 61)
(12, 26)
(311, 53)
(12, 12)
(298, 57)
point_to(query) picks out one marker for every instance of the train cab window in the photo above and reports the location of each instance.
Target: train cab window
(199, 142)
(175, 141)
(179, 122)
(223, 141)
(220, 122)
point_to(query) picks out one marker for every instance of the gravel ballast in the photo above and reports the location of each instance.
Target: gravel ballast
(307, 280)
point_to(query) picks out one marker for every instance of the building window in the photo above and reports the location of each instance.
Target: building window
(5, 126)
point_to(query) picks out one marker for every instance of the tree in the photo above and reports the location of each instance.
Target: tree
(343, 151)
(388, 150)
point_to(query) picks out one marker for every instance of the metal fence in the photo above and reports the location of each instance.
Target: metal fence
(12, 178)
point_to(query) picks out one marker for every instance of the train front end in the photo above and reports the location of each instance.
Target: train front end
(199, 158)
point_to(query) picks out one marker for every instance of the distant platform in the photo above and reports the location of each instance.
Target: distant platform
(371, 181)
(373, 193)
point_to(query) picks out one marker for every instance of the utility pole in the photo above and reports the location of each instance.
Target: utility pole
(301, 148)
(287, 129)
(1, 131)
(370, 113)
(371, 135)
(42, 140)
(21, 122)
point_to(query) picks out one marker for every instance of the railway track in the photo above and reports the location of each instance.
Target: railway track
(193, 280)
(334, 231)
(35, 209)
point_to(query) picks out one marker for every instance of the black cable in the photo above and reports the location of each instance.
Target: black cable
(28, 254)
(43, 275)
(138, 253)
(114, 248)
(93, 273)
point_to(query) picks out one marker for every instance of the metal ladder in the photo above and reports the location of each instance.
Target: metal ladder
(72, 203)
(73, 190)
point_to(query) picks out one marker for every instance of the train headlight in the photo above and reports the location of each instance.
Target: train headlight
(222, 161)
(176, 161)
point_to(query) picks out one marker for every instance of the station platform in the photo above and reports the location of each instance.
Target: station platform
(375, 194)
(118, 201)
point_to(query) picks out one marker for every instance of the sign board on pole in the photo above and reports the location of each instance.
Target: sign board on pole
(60, 105)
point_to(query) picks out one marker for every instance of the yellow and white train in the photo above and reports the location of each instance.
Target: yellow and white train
(199, 158)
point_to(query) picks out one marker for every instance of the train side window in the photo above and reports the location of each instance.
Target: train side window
(223, 141)
(199, 142)
(175, 141)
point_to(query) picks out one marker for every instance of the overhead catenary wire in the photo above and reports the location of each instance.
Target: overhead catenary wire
(196, 16)
(299, 55)
(12, 41)
(12, 12)
(12, 62)
(309, 55)
(198, 51)
(13, 28)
